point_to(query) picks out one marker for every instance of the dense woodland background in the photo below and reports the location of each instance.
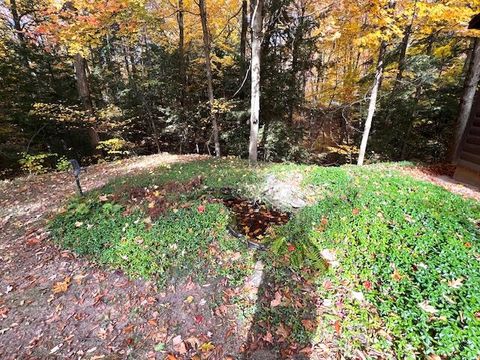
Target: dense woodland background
(104, 79)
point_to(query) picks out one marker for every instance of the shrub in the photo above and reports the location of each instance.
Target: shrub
(114, 148)
(63, 164)
(35, 164)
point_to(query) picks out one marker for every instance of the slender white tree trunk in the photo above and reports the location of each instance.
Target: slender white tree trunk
(208, 67)
(373, 103)
(373, 97)
(257, 35)
(471, 83)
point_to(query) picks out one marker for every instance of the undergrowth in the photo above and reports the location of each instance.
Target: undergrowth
(410, 248)
(187, 237)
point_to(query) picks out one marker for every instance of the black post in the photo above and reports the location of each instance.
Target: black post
(77, 180)
(77, 169)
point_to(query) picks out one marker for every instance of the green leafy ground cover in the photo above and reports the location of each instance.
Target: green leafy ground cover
(403, 254)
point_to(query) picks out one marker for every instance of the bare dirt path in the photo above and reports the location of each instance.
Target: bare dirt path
(444, 180)
(103, 314)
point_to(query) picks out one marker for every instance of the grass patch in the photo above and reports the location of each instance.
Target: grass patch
(187, 236)
(410, 248)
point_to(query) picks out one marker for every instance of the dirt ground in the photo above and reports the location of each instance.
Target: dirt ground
(103, 315)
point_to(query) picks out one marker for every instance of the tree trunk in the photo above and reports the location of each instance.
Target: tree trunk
(257, 34)
(414, 113)
(243, 40)
(294, 91)
(84, 92)
(470, 88)
(373, 103)
(17, 25)
(156, 135)
(402, 63)
(82, 83)
(181, 53)
(126, 62)
(373, 97)
(208, 68)
(402, 58)
(16, 21)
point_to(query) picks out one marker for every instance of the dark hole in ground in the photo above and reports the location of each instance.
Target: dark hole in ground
(254, 220)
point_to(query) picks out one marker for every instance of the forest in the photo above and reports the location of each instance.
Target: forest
(104, 80)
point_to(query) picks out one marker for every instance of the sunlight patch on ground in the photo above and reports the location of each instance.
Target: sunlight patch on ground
(153, 161)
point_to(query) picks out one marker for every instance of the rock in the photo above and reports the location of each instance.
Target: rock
(285, 193)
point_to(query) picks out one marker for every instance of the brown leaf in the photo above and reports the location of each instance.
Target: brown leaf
(456, 283)
(177, 340)
(396, 275)
(425, 306)
(277, 300)
(306, 350)
(268, 337)
(221, 310)
(33, 241)
(309, 325)
(181, 348)
(4, 311)
(327, 285)
(152, 322)
(338, 327)
(128, 329)
(179, 345)
(283, 331)
(193, 342)
(62, 286)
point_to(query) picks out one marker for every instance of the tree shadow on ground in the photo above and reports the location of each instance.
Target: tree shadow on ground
(283, 301)
(285, 318)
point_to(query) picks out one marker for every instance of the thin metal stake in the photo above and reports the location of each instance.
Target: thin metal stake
(77, 180)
